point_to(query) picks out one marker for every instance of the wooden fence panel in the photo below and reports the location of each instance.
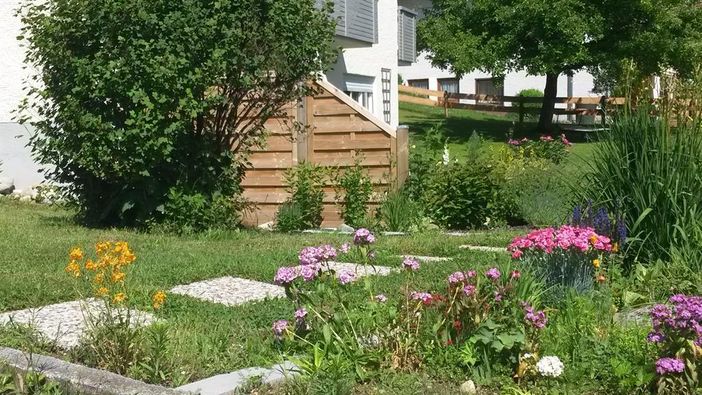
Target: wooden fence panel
(339, 132)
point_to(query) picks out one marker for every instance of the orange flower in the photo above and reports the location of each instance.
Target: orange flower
(99, 278)
(117, 277)
(102, 291)
(73, 268)
(102, 247)
(119, 298)
(615, 248)
(158, 299)
(90, 265)
(76, 254)
(596, 263)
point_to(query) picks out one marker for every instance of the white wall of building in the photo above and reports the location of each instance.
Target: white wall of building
(12, 73)
(368, 60)
(583, 82)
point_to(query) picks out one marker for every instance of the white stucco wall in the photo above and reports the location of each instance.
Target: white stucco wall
(368, 60)
(583, 82)
(12, 73)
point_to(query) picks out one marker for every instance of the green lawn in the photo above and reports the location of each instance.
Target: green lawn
(207, 338)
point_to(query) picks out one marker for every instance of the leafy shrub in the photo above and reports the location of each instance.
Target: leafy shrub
(305, 184)
(531, 106)
(460, 195)
(30, 383)
(185, 212)
(127, 113)
(652, 173)
(569, 257)
(398, 212)
(422, 161)
(354, 189)
(546, 147)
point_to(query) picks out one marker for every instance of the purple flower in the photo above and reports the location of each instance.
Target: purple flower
(471, 273)
(381, 298)
(410, 263)
(425, 297)
(363, 236)
(346, 277)
(279, 328)
(300, 314)
(455, 278)
(536, 319)
(326, 252)
(285, 275)
(345, 248)
(498, 296)
(669, 365)
(469, 290)
(493, 274)
(309, 256)
(655, 337)
(309, 272)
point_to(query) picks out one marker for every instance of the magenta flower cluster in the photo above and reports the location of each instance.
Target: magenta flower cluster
(410, 264)
(536, 319)
(493, 274)
(363, 236)
(279, 328)
(679, 322)
(315, 255)
(564, 238)
(669, 366)
(424, 297)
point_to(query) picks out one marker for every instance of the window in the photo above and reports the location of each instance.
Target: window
(449, 85)
(407, 35)
(419, 83)
(489, 87)
(360, 89)
(386, 79)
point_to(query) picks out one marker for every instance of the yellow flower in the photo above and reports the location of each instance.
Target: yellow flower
(596, 263)
(158, 299)
(90, 265)
(127, 257)
(615, 248)
(102, 247)
(119, 298)
(73, 268)
(102, 291)
(117, 277)
(593, 239)
(99, 278)
(76, 254)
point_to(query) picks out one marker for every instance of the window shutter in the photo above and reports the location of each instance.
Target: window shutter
(361, 19)
(407, 35)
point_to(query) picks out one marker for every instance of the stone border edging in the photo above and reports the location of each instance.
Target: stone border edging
(79, 379)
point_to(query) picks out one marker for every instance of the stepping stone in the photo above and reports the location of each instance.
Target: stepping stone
(230, 383)
(393, 233)
(65, 323)
(483, 248)
(428, 258)
(361, 270)
(230, 291)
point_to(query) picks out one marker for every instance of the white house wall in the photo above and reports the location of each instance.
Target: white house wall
(12, 73)
(368, 60)
(583, 82)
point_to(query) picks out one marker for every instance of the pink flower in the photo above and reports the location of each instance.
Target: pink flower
(493, 274)
(565, 141)
(381, 298)
(300, 314)
(346, 277)
(345, 248)
(309, 272)
(363, 236)
(469, 290)
(471, 273)
(514, 142)
(516, 254)
(410, 263)
(516, 274)
(279, 328)
(455, 278)
(425, 297)
(546, 138)
(285, 275)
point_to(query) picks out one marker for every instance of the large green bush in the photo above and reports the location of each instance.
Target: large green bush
(139, 101)
(653, 174)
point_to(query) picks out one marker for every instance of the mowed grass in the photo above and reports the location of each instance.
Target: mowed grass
(206, 338)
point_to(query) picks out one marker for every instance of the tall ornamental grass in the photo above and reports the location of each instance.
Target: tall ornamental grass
(653, 173)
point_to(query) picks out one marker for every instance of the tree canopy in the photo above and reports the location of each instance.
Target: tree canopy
(144, 101)
(552, 37)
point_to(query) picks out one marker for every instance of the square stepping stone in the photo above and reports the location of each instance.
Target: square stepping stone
(361, 270)
(230, 291)
(66, 323)
(483, 248)
(428, 258)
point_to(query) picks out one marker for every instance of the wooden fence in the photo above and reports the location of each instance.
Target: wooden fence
(590, 106)
(338, 130)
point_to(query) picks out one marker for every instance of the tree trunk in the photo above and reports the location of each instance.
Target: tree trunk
(550, 93)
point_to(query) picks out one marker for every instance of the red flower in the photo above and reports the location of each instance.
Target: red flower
(457, 325)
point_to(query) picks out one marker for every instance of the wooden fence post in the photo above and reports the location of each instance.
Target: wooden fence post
(446, 103)
(603, 107)
(521, 111)
(402, 155)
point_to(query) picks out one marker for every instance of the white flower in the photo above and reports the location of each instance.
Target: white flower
(447, 155)
(550, 366)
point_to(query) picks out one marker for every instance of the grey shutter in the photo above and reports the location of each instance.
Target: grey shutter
(340, 16)
(407, 35)
(361, 20)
